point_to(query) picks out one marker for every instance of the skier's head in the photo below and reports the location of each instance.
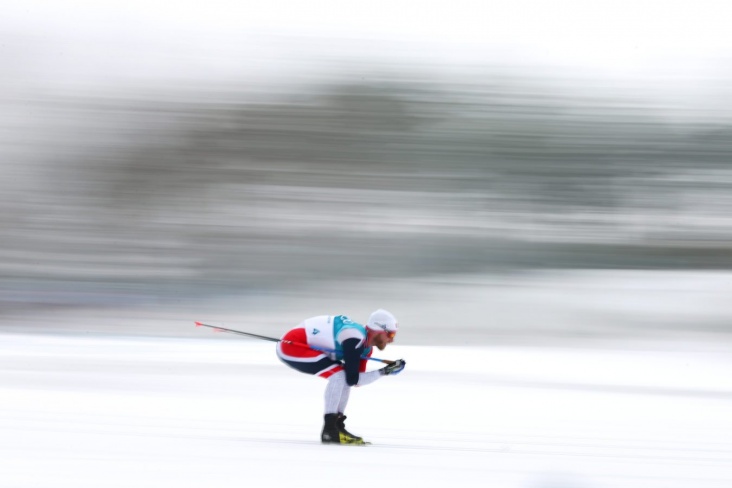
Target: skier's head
(383, 321)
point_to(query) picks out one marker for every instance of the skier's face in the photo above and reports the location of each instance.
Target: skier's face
(382, 339)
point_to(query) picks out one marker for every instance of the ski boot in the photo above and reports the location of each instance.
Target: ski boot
(332, 433)
(341, 423)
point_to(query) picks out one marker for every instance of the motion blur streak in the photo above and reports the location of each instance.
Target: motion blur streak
(388, 175)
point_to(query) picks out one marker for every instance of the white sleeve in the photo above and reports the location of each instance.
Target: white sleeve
(346, 334)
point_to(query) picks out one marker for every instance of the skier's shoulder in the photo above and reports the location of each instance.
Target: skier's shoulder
(345, 328)
(344, 322)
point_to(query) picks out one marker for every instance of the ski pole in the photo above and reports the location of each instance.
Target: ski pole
(274, 339)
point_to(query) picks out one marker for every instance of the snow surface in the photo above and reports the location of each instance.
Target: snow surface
(91, 411)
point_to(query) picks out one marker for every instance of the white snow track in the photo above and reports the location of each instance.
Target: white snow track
(108, 412)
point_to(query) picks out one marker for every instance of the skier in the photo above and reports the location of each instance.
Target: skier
(341, 347)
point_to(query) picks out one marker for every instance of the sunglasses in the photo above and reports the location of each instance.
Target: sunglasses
(390, 334)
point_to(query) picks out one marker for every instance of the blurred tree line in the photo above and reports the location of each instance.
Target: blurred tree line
(515, 139)
(370, 177)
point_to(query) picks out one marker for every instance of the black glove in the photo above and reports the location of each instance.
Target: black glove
(394, 368)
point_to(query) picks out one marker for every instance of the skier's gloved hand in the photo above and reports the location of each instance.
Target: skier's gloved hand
(394, 368)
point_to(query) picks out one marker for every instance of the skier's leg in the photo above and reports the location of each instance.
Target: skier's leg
(336, 393)
(334, 382)
(368, 378)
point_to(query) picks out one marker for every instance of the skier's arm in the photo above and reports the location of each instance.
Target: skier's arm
(352, 359)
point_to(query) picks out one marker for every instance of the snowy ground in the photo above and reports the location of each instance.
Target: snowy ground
(91, 411)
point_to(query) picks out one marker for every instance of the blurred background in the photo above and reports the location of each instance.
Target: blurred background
(491, 172)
